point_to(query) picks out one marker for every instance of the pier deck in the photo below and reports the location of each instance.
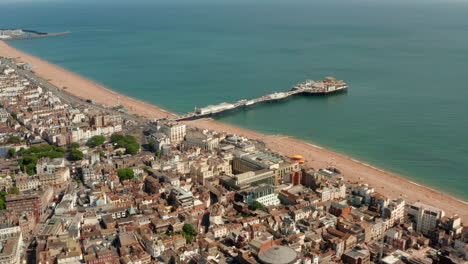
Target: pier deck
(34, 36)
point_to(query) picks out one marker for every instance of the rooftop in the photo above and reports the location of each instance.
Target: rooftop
(278, 255)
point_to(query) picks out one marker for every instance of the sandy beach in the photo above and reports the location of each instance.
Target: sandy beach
(388, 184)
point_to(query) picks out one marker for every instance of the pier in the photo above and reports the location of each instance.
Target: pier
(34, 36)
(310, 88)
(17, 34)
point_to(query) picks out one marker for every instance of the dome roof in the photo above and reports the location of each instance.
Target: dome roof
(278, 255)
(297, 157)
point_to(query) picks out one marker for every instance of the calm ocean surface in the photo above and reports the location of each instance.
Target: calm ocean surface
(406, 65)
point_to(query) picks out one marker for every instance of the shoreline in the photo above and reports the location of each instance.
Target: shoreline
(386, 183)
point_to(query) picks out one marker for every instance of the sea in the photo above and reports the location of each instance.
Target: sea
(406, 63)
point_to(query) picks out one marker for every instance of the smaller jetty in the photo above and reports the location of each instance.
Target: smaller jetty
(17, 34)
(311, 88)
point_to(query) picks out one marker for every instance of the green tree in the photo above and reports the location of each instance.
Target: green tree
(30, 109)
(28, 164)
(189, 232)
(14, 190)
(96, 141)
(125, 174)
(59, 149)
(151, 146)
(29, 157)
(158, 153)
(132, 148)
(116, 137)
(74, 145)
(55, 154)
(76, 154)
(30, 169)
(128, 142)
(258, 205)
(2, 199)
(11, 152)
(13, 140)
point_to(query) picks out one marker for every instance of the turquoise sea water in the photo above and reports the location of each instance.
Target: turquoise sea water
(406, 63)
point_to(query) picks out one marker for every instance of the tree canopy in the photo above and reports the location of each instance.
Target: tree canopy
(3, 194)
(2, 199)
(29, 157)
(96, 141)
(76, 154)
(189, 232)
(258, 205)
(158, 153)
(125, 174)
(13, 140)
(151, 146)
(11, 152)
(14, 190)
(128, 142)
(74, 145)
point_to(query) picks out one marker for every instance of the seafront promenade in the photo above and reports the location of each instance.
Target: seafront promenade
(386, 183)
